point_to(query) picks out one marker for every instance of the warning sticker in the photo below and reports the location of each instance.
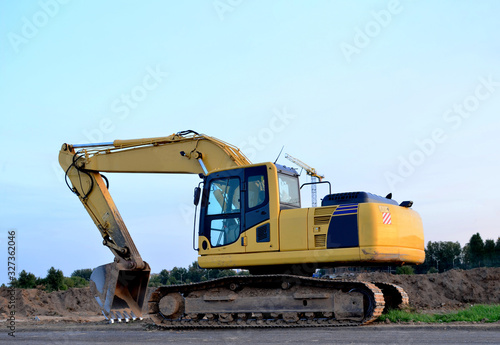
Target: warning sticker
(386, 218)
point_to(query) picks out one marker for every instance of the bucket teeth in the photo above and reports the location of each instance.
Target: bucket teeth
(120, 316)
(126, 317)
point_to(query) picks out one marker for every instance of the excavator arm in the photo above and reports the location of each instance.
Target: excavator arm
(120, 287)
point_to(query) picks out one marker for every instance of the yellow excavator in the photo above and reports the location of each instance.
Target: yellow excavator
(250, 218)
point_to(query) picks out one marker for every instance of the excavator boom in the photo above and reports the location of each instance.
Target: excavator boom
(120, 287)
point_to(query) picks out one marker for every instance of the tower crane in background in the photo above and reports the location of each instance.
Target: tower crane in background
(315, 177)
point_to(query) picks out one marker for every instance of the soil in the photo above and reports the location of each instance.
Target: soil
(450, 290)
(70, 305)
(444, 291)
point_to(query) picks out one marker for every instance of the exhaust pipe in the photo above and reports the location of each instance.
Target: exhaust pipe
(120, 291)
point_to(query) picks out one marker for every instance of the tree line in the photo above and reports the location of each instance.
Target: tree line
(53, 281)
(443, 256)
(192, 274)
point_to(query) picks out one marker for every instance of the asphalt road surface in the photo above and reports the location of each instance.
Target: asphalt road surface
(373, 334)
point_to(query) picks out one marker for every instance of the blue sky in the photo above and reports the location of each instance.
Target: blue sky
(381, 96)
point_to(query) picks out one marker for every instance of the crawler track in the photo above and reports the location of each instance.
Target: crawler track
(394, 295)
(271, 301)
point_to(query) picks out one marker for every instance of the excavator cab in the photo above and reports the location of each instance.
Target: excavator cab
(233, 201)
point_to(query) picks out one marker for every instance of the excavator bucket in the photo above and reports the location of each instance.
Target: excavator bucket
(120, 292)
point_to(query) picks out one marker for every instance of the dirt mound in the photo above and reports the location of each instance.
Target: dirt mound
(34, 302)
(455, 288)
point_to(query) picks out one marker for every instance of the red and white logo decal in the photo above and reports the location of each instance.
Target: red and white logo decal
(386, 218)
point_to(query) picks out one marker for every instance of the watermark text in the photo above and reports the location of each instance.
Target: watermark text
(363, 36)
(31, 26)
(455, 115)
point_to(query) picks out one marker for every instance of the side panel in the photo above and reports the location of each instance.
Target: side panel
(337, 224)
(318, 224)
(293, 229)
(343, 228)
(411, 234)
(330, 257)
(373, 231)
(390, 233)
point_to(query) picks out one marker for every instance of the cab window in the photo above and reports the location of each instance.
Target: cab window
(224, 231)
(256, 191)
(289, 190)
(224, 196)
(224, 211)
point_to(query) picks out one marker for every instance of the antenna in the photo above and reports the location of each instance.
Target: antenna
(279, 154)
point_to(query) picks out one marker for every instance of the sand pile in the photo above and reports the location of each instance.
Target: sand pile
(455, 288)
(34, 302)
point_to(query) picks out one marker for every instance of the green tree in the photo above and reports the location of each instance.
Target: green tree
(164, 277)
(497, 252)
(26, 280)
(179, 274)
(451, 254)
(226, 273)
(54, 280)
(432, 257)
(489, 252)
(194, 273)
(154, 280)
(405, 270)
(85, 273)
(476, 250)
(75, 282)
(443, 255)
(466, 258)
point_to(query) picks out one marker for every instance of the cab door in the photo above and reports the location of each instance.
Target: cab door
(222, 215)
(236, 212)
(260, 232)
